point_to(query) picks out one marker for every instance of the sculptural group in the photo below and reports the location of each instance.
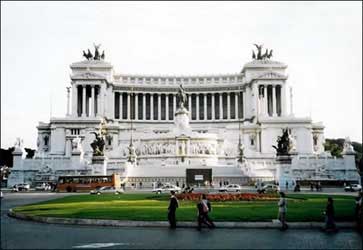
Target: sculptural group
(89, 56)
(260, 56)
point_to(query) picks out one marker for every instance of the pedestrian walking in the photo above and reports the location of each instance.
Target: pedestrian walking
(329, 216)
(311, 186)
(287, 185)
(204, 207)
(282, 211)
(173, 205)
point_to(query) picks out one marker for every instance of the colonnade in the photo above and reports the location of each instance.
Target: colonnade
(162, 106)
(272, 100)
(87, 101)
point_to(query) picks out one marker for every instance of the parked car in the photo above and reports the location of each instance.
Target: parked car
(107, 190)
(269, 188)
(166, 189)
(43, 187)
(21, 187)
(231, 188)
(353, 188)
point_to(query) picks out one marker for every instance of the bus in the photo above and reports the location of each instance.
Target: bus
(81, 183)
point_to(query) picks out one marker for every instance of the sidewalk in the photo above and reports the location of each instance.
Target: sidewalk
(181, 224)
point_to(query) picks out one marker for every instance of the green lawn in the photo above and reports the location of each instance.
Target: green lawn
(151, 207)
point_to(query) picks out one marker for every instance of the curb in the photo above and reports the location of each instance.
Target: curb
(181, 224)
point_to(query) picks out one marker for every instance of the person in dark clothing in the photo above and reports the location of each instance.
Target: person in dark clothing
(329, 216)
(173, 205)
(204, 207)
(359, 211)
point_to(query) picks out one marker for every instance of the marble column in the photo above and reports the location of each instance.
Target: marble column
(121, 110)
(128, 106)
(144, 107)
(274, 100)
(151, 106)
(83, 100)
(236, 105)
(166, 107)
(228, 106)
(197, 107)
(136, 106)
(205, 106)
(92, 108)
(265, 105)
(213, 108)
(220, 106)
(159, 107)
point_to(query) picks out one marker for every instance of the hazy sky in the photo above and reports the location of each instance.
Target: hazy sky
(320, 42)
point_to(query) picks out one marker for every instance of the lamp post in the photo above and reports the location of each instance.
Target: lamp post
(132, 156)
(240, 145)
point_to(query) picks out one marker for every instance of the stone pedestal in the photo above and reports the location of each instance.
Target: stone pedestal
(182, 121)
(98, 159)
(284, 159)
(99, 165)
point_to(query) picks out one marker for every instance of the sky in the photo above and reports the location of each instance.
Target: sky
(321, 42)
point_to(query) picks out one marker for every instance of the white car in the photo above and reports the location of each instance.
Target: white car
(107, 190)
(43, 187)
(269, 188)
(166, 189)
(21, 187)
(353, 188)
(231, 188)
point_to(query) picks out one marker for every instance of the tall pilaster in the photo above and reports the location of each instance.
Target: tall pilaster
(74, 100)
(83, 100)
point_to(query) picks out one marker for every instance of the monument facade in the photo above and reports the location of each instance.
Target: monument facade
(156, 128)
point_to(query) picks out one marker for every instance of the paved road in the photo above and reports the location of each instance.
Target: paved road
(17, 234)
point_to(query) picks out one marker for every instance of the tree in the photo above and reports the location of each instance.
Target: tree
(6, 157)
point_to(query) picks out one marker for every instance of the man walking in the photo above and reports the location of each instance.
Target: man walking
(282, 210)
(173, 205)
(204, 208)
